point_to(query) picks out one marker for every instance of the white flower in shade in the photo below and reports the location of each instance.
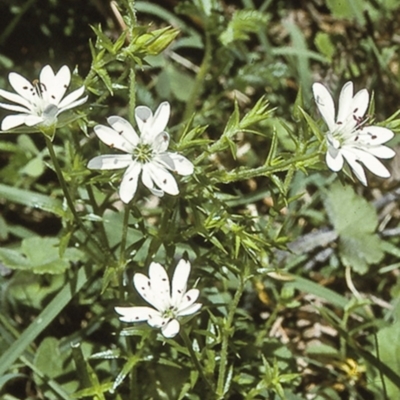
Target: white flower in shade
(147, 154)
(169, 304)
(349, 138)
(39, 103)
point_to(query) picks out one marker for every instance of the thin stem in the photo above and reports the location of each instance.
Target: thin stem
(122, 258)
(67, 195)
(195, 360)
(380, 370)
(132, 93)
(265, 170)
(226, 334)
(350, 284)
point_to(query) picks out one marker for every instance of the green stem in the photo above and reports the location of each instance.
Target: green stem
(200, 77)
(226, 334)
(265, 170)
(67, 195)
(122, 258)
(132, 93)
(195, 360)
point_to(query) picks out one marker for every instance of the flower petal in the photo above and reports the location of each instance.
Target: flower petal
(148, 182)
(66, 103)
(345, 100)
(32, 120)
(189, 310)
(150, 126)
(55, 85)
(12, 107)
(179, 281)
(162, 178)
(158, 321)
(12, 121)
(182, 165)
(161, 117)
(124, 128)
(325, 104)
(110, 161)
(374, 135)
(135, 314)
(143, 286)
(334, 159)
(356, 167)
(371, 163)
(23, 87)
(188, 300)
(381, 151)
(159, 281)
(171, 329)
(15, 98)
(129, 182)
(113, 138)
(143, 116)
(161, 142)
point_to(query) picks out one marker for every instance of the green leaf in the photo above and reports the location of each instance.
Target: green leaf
(40, 256)
(32, 199)
(43, 320)
(324, 45)
(355, 221)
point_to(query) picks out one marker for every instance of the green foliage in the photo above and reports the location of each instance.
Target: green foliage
(272, 236)
(360, 246)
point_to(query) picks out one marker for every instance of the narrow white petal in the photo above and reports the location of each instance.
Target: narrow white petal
(32, 120)
(143, 286)
(47, 75)
(356, 167)
(143, 116)
(57, 85)
(22, 86)
(113, 138)
(12, 121)
(163, 179)
(159, 281)
(158, 321)
(124, 128)
(345, 101)
(359, 105)
(71, 98)
(148, 182)
(375, 135)
(135, 314)
(381, 151)
(179, 281)
(161, 117)
(161, 142)
(15, 98)
(325, 104)
(334, 159)
(110, 161)
(192, 309)
(371, 163)
(187, 301)
(74, 104)
(165, 160)
(170, 329)
(12, 107)
(182, 165)
(129, 182)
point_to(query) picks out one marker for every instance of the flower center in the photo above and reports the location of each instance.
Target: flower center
(143, 153)
(170, 312)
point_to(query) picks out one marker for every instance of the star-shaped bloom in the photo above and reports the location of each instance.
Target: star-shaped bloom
(39, 103)
(349, 138)
(146, 154)
(169, 303)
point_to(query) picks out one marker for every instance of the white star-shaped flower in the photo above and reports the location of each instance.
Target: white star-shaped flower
(349, 138)
(168, 307)
(39, 103)
(146, 155)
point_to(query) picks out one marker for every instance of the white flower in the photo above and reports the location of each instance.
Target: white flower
(39, 103)
(147, 154)
(349, 138)
(167, 307)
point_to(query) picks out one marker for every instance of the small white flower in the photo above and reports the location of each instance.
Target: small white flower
(349, 138)
(168, 307)
(39, 103)
(147, 154)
